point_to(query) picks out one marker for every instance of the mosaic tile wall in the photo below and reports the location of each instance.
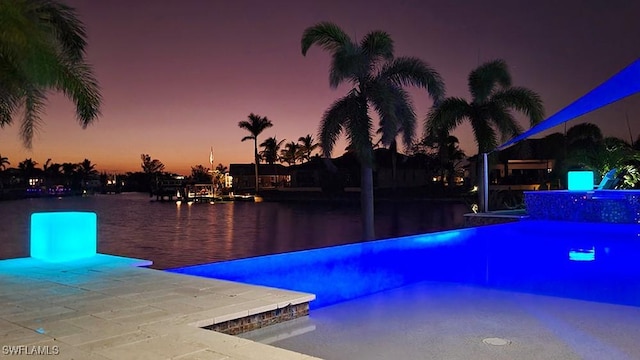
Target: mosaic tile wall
(257, 321)
(611, 206)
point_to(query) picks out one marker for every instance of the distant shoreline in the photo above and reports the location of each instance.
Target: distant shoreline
(289, 196)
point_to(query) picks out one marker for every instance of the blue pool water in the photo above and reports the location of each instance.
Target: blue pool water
(589, 261)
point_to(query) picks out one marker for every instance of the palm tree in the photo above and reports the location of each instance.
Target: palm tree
(451, 156)
(307, 146)
(271, 147)
(4, 161)
(489, 112)
(43, 49)
(584, 135)
(378, 80)
(28, 170)
(586, 147)
(70, 172)
(200, 174)
(51, 171)
(291, 153)
(221, 168)
(87, 170)
(219, 176)
(150, 166)
(255, 126)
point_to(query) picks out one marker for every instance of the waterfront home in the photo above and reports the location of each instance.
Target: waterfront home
(270, 176)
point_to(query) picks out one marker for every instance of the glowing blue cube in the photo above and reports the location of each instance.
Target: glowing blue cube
(63, 236)
(580, 180)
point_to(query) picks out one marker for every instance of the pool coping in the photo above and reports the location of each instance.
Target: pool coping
(109, 307)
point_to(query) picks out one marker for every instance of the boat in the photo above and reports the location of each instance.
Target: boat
(199, 193)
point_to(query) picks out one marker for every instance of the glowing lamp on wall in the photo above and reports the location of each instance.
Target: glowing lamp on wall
(580, 180)
(63, 236)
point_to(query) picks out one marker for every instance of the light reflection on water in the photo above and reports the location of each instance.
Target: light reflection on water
(171, 236)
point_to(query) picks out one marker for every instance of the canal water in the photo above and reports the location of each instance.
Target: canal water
(174, 235)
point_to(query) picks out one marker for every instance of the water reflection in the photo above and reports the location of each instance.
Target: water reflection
(174, 235)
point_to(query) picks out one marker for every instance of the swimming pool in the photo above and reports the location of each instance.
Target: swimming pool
(588, 261)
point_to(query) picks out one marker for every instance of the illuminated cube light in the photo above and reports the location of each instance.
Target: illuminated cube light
(63, 236)
(581, 180)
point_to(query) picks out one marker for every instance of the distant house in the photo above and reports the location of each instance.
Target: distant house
(410, 172)
(343, 172)
(524, 166)
(270, 176)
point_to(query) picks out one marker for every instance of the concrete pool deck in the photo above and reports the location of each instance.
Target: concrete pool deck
(107, 307)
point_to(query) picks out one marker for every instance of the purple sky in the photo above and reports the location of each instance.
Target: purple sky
(177, 76)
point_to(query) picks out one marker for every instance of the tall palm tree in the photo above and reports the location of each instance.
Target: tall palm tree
(307, 146)
(42, 48)
(271, 148)
(378, 81)
(489, 112)
(256, 125)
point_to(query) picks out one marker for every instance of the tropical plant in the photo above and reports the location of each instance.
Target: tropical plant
(86, 171)
(307, 146)
(378, 80)
(28, 169)
(52, 171)
(71, 174)
(221, 168)
(28, 166)
(271, 147)
(490, 111)
(152, 169)
(69, 170)
(42, 48)
(291, 153)
(150, 166)
(200, 174)
(4, 161)
(583, 136)
(219, 178)
(448, 154)
(603, 155)
(255, 125)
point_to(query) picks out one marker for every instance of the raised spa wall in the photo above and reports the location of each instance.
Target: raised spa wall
(609, 206)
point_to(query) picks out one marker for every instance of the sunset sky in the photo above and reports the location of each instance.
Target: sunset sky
(177, 76)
